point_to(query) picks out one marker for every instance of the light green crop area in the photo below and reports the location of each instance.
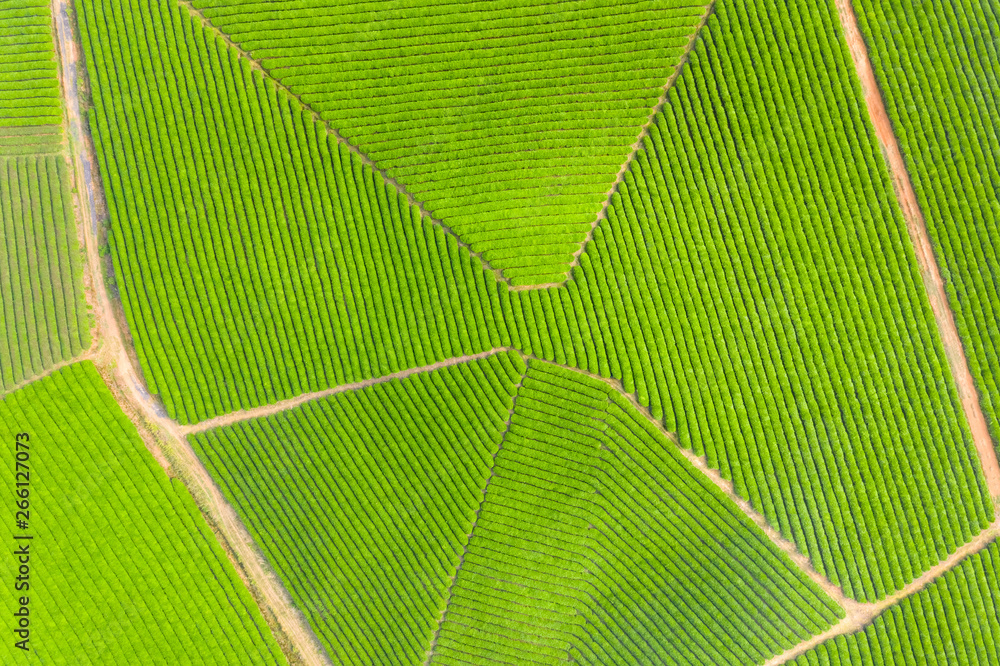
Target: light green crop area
(43, 318)
(575, 528)
(30, 107)
(123, 567)
(509, 121)
(753, 284)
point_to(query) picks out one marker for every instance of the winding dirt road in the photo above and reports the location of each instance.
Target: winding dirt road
(933, 282)
(118, 366)
(864, 614)
(861, 615)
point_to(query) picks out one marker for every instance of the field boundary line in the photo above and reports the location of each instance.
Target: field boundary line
(868, 613)
(923, 249)
(118, 366)
(412, 200)
(87, 354)
(708, 10)
(291, 403)
(602, 214)
(858, 614)
(475, 521)
(701, 464)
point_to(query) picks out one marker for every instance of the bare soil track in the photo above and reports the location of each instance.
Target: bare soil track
(113, 353)
(862, 615)
(291, 403)
(933, 282)
(118, 365)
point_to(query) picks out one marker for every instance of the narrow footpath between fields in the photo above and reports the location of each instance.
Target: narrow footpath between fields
(863, 614)
(118, 366)
(291, 403)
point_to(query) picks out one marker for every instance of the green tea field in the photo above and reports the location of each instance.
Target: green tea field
(502, 331)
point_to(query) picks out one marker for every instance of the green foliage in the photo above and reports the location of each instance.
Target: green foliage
(363, 501)
(938, 66)
(578, 529)
(124, 569)
(600, 543)
(257, 256)
(44, 317)
(955, 621)
(507, 120)
(30, 108)
(753, 285)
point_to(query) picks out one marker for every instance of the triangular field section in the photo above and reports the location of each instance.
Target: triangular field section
(508, 123)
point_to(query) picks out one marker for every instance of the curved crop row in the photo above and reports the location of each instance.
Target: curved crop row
(509, 122)
(599, 543)
(362, 501)
(955, 620)
(574, 526)
(755, 285)
(257, 256)
(43, 319)
(123, 567)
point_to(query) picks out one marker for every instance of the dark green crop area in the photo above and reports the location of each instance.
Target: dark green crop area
(44, 318)
(753, 284)
(123, 567)
(938, 65)
(576, 529)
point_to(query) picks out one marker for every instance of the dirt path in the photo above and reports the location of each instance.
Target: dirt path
(85, 354)
(863, 614)
(933, 282)
(117, 364)
(860, 617)
(275, 407)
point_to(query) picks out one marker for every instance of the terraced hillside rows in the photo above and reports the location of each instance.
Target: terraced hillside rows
(508, 121)
(938, 65)
(30, 108)
(497, 513)
(44, 318)
(954, 621)
(125, 569)
(753, 284)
